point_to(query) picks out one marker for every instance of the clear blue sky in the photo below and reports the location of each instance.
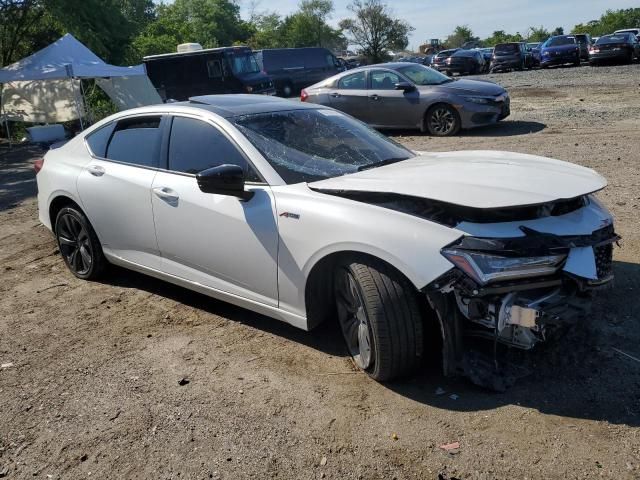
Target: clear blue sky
(437, 18)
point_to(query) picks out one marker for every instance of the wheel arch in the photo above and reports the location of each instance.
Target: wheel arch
(318, 291)
(57, 203)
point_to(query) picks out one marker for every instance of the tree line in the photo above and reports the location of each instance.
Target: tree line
(124, 31)
(609, 22)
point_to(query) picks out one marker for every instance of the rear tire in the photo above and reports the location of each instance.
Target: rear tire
(442, 120)
(380, 318)
(79, 244)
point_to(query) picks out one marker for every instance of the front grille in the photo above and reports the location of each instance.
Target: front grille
(604, 260)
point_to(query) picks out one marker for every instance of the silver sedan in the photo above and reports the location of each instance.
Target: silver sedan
(406, 95)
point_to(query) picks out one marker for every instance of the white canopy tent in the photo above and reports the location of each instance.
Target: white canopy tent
(68, 59)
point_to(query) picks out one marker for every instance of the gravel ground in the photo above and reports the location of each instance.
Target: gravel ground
(135, 378)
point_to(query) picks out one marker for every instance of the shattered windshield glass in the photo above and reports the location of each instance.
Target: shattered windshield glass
(307, 145)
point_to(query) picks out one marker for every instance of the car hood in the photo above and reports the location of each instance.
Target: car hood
(466, 87)
(477, 179)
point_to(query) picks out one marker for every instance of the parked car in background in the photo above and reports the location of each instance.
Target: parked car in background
(465, 62)
(617, 47)
(634, 31)
(306, 215)
(487, 54)
(511, 56)
(294, 68)
(560, 50)
(534, 49)
(401, 95)
(438, 60)
(427, 60)
(194, 71)
(584, 42)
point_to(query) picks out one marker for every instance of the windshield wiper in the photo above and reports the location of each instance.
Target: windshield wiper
(386, 161)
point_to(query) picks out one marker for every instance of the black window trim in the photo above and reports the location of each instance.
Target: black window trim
(164, 155)
(161, 127)
(398, 73)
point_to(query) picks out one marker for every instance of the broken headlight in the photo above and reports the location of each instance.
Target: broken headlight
(485, 268)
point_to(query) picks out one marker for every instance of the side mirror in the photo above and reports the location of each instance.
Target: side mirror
(405, 86)
(224, 180)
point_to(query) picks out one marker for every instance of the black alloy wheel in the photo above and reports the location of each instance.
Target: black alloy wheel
(442, 120)
(78, 244)
(379, 316)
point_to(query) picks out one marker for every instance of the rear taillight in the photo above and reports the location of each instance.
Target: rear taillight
(38, 164)
(304, 96)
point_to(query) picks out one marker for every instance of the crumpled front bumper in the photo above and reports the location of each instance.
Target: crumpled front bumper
(521, 313)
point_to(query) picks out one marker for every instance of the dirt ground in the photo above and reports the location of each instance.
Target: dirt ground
(135, 378)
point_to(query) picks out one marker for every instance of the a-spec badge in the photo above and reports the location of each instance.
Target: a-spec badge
(290, 215)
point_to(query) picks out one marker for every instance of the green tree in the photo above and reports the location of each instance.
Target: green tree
(210, 23)
(308, 27)
(537, 34)
(267, 31)
(500, 36)
(461, 35)
(557, 31)
(610, 21)
(375, 30)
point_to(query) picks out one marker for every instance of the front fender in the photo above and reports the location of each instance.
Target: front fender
(313, 225)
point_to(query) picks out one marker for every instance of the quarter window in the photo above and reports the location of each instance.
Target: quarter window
(136, 141)
(353, 82)
(381, 80)
(99, 139)
(195, 146)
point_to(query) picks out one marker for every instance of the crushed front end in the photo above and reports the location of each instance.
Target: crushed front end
(525, 285)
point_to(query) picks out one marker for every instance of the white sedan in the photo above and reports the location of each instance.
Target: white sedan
(304, 214)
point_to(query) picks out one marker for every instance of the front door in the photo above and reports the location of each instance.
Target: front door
(218, 241)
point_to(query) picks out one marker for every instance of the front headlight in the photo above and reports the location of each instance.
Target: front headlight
(485, 268)
(249, 88)
(480, 100)
(545, 54)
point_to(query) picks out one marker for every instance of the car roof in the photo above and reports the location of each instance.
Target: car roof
(244, 104)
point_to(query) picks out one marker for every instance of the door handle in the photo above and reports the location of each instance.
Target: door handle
(335, 94)
(374, 97)
(165, 193)
(96, 170)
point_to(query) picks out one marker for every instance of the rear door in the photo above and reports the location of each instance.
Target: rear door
(389, 107)
(350, 95)
(115, 187)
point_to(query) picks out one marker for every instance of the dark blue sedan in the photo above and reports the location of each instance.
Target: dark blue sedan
(560, 50)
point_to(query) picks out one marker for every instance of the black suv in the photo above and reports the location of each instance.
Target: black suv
(511, 56)
(584, 42)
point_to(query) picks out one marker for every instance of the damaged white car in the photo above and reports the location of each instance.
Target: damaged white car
(306, 215)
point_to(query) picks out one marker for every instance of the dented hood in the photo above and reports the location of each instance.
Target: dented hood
(478, 179)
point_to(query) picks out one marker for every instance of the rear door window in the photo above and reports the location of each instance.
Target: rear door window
(355, 81)
(195, 146)
(136, 141)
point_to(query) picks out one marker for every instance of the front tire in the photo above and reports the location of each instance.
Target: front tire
(442, 120)
(79, 244)
(380, 318)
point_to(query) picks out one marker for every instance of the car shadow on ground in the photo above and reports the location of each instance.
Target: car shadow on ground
(17, 178)
(581, 376)
(506, 128)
